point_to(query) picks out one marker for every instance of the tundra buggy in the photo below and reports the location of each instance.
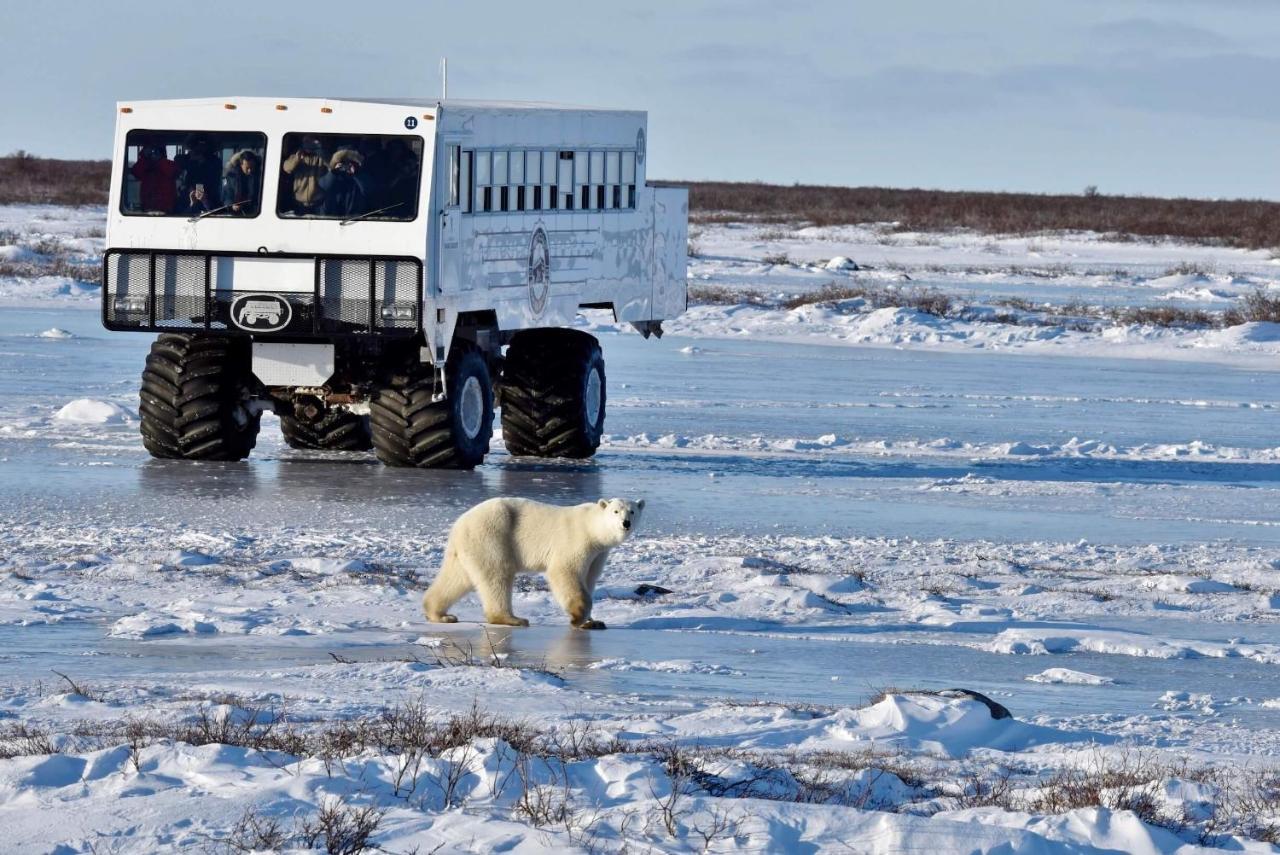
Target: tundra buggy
(381, 273)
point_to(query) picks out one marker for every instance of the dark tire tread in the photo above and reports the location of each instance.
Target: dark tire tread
(542, 394)
(191, 402)
(412, 430)
(336, 430)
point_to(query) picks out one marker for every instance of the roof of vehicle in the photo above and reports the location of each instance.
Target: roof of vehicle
(414, 103)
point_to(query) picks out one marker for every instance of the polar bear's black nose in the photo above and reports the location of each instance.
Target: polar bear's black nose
(626, 523)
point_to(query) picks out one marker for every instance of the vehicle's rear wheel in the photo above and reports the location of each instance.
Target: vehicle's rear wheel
(334, 430)
(194, 401)
(412, 429)
(553, 394)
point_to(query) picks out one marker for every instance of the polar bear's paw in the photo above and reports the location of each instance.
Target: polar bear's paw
(506, 620)
(591, 624)
(445, 619)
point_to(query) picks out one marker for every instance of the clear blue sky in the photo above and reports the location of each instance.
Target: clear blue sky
(1140, 96)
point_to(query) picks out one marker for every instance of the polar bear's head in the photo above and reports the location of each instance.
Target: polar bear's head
(617, 519)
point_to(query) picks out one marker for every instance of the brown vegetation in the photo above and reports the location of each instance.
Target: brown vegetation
(1249, 223)
(27, 178)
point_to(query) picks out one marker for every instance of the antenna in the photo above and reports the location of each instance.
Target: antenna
(444, 77)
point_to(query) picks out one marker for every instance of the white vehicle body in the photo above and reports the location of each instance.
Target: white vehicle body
(483, 254)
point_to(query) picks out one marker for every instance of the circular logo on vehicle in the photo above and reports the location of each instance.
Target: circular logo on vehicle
(640, 146)
(261, 312)
(411, 122)
(539, 272)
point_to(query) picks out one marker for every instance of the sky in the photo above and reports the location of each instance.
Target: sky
(1152, 97)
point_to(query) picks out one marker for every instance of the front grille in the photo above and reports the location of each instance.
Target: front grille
(165, 290)
(182, 291)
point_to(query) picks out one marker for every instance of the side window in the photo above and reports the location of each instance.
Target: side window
(484, 192)
(532, 180)
(612, 174)
(548, 200)
(581, 189)
(501, 200)
(564, 182)
(455, 176)
(597, 179)
(516, 180)
(629, 178)
(468, 188)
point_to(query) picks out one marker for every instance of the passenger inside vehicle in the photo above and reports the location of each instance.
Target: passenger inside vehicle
(365, 176)
(185, 174)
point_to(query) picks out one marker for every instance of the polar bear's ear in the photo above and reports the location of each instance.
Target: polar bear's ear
(604, 503)
(640, 504)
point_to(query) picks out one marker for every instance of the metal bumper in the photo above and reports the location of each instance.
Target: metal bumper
(189, 291)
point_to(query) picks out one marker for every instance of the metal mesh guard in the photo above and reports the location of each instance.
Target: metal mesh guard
(181, 288)
(344, 291)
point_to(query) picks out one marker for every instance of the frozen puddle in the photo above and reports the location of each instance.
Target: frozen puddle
(794, 668)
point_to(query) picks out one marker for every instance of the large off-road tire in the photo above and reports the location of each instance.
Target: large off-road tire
(335, 430)
(194, 400)
(553, 394)
(410, 429)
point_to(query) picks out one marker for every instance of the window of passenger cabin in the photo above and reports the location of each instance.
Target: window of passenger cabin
(192, 174)
(373, 177)
(468, 192)
(520, 177)
(581, 190)
(629, 177)
(455, 175)
(564, 182)
(548, 200)
(483, 170)
(612, 173)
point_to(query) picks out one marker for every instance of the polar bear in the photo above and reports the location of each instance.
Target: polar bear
(498, 538)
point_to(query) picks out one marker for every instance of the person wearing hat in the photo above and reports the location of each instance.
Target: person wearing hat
(345, 194)
(307, 167)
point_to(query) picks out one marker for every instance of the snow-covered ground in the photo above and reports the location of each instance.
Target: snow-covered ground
(836, 536)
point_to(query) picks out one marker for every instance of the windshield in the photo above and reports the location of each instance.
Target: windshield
(193, 173)
(350, 177)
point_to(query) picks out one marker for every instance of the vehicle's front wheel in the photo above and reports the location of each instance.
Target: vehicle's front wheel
(412, 428)
(553, 394)
(195, 396)
(334, 430)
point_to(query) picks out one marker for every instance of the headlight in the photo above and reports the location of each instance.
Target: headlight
(127, 305)
(399, 312)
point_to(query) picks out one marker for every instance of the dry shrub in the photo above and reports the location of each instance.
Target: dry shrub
(1250, 223)
(718, 295)
(927, 300)
(343, 828)
(1164, 316)
(255, 831)
(1260, 306)
(25, 178)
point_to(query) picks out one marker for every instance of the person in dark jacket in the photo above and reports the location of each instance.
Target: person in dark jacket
(345, 193)
(156, 174)
(199, 169)
(242, 183)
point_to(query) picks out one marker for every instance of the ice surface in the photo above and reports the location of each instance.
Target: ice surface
(841, 501)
